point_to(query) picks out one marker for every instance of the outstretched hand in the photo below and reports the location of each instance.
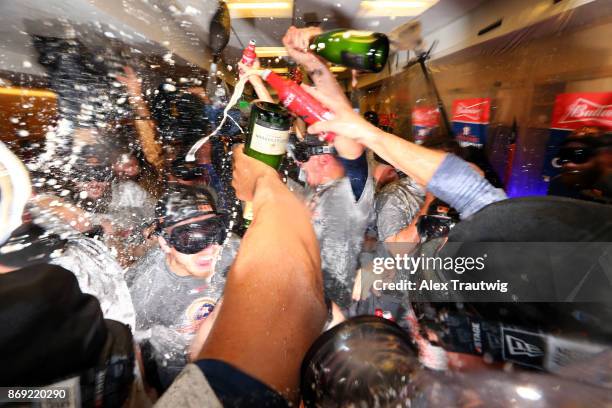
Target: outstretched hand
(242, 68)
(347, 124)
(296, 41)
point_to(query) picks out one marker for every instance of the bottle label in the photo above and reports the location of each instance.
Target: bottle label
(269, 141)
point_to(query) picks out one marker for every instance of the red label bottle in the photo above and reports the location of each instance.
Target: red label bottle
(249, 54)
(298, 101)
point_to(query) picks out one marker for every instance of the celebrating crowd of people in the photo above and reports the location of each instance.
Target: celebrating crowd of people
(140, 279)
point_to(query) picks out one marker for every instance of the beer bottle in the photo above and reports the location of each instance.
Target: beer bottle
(267, 138)
(361, 50)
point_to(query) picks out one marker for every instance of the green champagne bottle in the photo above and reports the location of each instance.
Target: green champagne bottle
(266, 140)
(362, 50)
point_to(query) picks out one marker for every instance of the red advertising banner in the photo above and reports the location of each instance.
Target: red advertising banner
(424, 120)
(575, 110)
(425, 116)
(473, 110)
(387, 119)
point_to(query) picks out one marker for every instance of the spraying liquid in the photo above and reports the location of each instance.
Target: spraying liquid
(248, 58)
(238, 90)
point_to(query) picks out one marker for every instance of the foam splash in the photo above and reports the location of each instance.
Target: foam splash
(238, 90)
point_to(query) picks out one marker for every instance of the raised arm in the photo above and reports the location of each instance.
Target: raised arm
(296, 42)
(145, 127)
(256, 81)
(446, 176)
(273, 305)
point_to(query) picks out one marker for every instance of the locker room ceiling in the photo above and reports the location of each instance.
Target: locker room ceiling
(181, 26)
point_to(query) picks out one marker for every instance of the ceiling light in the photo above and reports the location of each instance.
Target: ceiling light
(268, 52)
(394, 8)
(259, 9)
(36, 93)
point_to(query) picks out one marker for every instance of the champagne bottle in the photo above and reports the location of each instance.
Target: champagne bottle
(267, 138)
(362, 50)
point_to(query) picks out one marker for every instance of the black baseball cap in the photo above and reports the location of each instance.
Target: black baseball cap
(302, 150)
(182, 202)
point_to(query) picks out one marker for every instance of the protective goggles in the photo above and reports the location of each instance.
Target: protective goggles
(302, 152)
(434, 226)
(195, 237)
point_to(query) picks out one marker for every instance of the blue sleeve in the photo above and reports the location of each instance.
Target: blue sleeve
(357, 172)
(458, 184)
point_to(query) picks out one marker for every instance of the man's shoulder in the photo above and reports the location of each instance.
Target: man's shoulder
(400, 191)
(151, 263)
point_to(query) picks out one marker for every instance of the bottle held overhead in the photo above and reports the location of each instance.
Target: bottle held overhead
(362, 50)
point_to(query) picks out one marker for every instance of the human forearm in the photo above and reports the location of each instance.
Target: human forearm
(277, 268)
(145, 128)
(260, 89)
(462, 187)
(418, 162)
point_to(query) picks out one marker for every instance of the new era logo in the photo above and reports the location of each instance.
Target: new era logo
(519, 347)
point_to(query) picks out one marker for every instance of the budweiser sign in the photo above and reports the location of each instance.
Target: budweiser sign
(474, 110)
(572, 111)
(425, 116)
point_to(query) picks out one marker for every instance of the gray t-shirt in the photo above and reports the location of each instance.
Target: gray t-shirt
(171, 308)
(396, 205)
(340, 223)
(100, 275)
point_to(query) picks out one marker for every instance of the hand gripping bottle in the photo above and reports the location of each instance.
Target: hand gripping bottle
(249, 55)
(298, 101)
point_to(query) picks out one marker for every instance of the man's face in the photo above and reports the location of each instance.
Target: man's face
(126, 167)
(580, 173)
(314, 170)
(201, 264)
(384, 174)
(93, 189)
